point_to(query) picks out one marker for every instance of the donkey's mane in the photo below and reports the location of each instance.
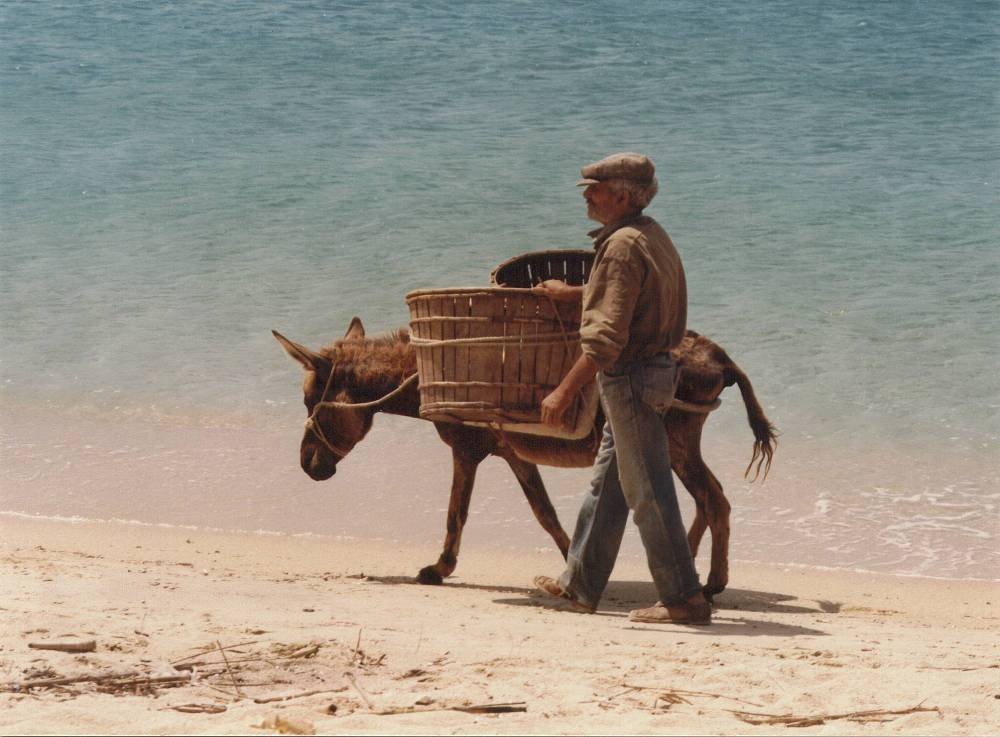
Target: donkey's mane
(378, 363)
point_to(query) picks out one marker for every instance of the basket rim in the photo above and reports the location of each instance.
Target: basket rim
(466, 291)
(547, 252)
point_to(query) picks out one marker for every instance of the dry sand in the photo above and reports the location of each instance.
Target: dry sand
(306, 614)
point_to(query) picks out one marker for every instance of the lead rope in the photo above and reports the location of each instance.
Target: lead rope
(562, 328)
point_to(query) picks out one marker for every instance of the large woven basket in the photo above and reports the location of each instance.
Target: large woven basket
(569, 265)
(488, 356)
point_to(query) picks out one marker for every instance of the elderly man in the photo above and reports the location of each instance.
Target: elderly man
(634, 312)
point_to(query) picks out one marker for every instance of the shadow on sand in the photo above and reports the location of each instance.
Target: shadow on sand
(623, 596)
(722, 623)
(449, 583)
(626, 595)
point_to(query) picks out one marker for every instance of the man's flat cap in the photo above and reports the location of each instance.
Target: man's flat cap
(618, 166)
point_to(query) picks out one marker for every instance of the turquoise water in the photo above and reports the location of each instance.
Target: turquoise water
(178, 179)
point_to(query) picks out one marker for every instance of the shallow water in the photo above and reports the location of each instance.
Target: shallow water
(180, 179)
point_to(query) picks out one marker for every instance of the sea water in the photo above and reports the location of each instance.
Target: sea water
(178, 179)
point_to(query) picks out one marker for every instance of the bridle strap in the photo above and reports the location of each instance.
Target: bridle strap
(312, 422)
(313, 425)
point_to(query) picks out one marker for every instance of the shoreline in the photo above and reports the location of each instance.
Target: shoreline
(482, 546)
(877, 512)
(784, 641)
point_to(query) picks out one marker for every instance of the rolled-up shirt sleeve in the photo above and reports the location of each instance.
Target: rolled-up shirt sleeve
(609, 303)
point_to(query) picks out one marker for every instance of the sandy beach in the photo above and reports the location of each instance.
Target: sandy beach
(181, 180)
(208, 633)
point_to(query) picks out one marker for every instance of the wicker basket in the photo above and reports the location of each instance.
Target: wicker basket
(488, 356)
(569, 265)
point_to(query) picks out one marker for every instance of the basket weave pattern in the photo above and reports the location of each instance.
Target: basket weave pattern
(490, 355)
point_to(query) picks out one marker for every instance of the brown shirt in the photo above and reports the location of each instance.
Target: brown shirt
(635, 304)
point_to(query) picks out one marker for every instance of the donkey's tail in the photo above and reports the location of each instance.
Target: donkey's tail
(765, 434)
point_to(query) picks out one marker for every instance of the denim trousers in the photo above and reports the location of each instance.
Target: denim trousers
(632, 472)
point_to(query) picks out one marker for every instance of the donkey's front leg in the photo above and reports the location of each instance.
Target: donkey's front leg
(538, 498)
(465, 462)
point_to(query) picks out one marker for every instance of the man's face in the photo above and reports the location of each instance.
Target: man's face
(604, 205)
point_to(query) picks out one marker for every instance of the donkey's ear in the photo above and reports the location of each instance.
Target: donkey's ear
(356, 330)
(303, 355)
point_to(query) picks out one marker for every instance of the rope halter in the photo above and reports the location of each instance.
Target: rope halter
(312, 423)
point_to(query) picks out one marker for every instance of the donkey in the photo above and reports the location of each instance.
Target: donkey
(347, 382)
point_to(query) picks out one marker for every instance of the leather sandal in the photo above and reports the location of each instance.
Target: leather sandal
(551, 587)
(698, 614)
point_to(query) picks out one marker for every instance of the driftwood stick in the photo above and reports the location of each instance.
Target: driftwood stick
(364, 696)
(146, 681)
(357, 646)
(195, 708)
(507, 708)
(289, 697)
(514, 706)
(792, 720)
(229, 668)
(47, 682)
(258, 659)
(305, 652)
(75, 646)
(125, 679)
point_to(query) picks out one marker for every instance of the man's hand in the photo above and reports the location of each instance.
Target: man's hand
(558, 290)
(555, 406)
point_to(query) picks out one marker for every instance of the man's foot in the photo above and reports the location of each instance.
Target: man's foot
(551, 587)
(697, 612)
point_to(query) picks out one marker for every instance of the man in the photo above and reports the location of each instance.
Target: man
(634, 312)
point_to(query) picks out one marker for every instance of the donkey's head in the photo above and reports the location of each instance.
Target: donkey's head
(333, 428)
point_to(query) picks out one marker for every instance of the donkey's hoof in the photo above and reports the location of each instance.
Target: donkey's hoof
(429, 576)
(711, 589)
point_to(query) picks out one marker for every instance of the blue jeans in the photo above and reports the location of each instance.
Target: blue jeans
(632, 471)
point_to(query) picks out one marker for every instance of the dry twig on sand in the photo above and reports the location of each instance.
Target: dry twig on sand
(791, 720)
(364, 696)
(232, 675)
(114, 680)
(69, 646)
(669, 693)
(504, 708)
(507, 708)
(302, 695)
(212, 649)
(196, 708)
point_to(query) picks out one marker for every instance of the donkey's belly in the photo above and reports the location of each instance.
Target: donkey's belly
(544, 451)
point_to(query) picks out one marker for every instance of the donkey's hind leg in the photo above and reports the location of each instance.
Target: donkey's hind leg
(465, 461)
(698, 527)
(713, 512)
(538, 498)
